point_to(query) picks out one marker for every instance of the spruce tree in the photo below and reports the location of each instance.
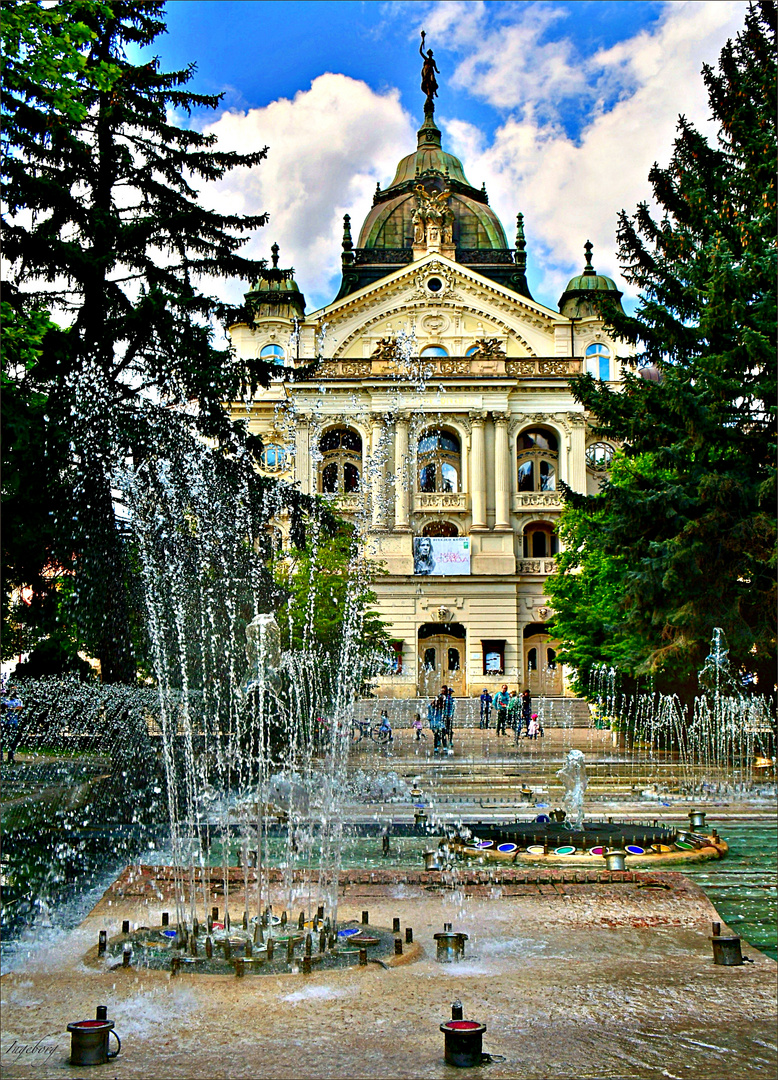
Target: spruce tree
(683, 535)
(103, 232)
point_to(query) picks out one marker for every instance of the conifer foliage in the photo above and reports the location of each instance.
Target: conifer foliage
(682, 537)
(103, 232)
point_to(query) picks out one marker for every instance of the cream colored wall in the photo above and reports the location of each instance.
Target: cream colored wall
(504, 591)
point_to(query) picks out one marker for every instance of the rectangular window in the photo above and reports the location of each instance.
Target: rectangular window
(493, 657)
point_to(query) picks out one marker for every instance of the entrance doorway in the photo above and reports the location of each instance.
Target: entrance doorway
(542, 670)
(441, 658)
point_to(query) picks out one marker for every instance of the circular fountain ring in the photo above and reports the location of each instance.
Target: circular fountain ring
(507, 848)
(566, 849)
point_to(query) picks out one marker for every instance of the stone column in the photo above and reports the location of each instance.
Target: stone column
(502, 521)
(302, 455)
(576, 464)
(478, 473)
(401, 473)
(376, 473)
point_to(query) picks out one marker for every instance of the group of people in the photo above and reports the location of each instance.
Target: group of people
(512, 712)
(440, 717)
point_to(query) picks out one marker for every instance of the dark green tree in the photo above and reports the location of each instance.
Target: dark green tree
(104, 236)
(682, 537)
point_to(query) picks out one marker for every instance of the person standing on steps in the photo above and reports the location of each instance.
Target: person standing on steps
(449, 708)
(514, 712)
(501, 701)
(526, 711)
(485, 701)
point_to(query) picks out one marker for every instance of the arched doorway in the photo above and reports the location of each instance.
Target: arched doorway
(542, 670)
(441, 658)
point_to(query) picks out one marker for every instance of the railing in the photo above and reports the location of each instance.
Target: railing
(543, 500)
(451, 502)
(430, 367)
(536, 566)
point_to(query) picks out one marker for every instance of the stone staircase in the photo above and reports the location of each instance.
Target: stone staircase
(554, 711)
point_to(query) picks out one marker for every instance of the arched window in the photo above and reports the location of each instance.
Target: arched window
(434, 350)
(532, 660)
(598, 361)
(540, 541)
(274, 354)
(429, 659)
(453, 659)
(537, 456)
(439, 461)
(341, 465)
(440, 528)
(273, 458)
(551, 658)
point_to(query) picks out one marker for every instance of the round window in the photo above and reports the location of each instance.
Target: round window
(434, 284)
(599, 455)
(274, 458)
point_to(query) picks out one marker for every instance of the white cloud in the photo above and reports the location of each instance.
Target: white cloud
(570, 190)
(328, 147)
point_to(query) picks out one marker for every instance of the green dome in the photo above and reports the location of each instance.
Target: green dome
(276, 292)
(580, 297)
(389, 223)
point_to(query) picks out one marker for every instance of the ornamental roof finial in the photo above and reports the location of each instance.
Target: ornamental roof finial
(274, 250)
(589, 248)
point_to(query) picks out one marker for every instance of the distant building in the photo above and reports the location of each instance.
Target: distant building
(440, 420)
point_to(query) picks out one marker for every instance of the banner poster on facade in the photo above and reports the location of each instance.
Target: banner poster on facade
(441, 555)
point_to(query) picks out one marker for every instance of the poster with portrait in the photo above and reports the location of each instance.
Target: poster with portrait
(439, 555)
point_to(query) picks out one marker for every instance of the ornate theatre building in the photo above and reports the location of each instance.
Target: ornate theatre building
(439, 420)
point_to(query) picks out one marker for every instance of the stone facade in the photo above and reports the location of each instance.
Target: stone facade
(441, 407)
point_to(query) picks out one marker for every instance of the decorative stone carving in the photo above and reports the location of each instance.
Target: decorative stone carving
(433, 219)
(386, 349)
(488, 349)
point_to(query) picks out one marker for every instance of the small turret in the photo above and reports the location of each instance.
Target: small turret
(275, 293)
(582, 296)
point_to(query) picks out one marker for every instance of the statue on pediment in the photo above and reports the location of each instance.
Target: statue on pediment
(386, 349)
(488, 349)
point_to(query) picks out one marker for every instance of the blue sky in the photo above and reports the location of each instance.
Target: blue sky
(561, 108)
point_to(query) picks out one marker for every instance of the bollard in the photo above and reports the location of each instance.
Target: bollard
(227, 921)
(308, 944)
(89, 1040)
(408, 935)
(126, 955)
(209, 924)
(615, 858)
(102, 943)
(463, 1039)
(395, 926)
(320, 911)
(249, 951)
(365, 918)
(284, 918)
(301, 921)
(450, 945)
(323, 941)
(307, 965)
(398, 946)
(193, 945)
(240, 967)
(270, 948)
(126, 926)
(215, 914)
(175, 966)
(227, 947)
(726, 951)
(431, 861)
(195, 928)
(209, 947)
(245, 920)
(363, 957)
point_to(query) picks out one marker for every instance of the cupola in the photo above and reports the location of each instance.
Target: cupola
(583, 294)
(276, 293)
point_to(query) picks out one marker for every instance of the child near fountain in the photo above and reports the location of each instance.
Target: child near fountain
(417, 727)
(534, 727)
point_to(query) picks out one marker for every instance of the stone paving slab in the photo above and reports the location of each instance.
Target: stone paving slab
(588, 976)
